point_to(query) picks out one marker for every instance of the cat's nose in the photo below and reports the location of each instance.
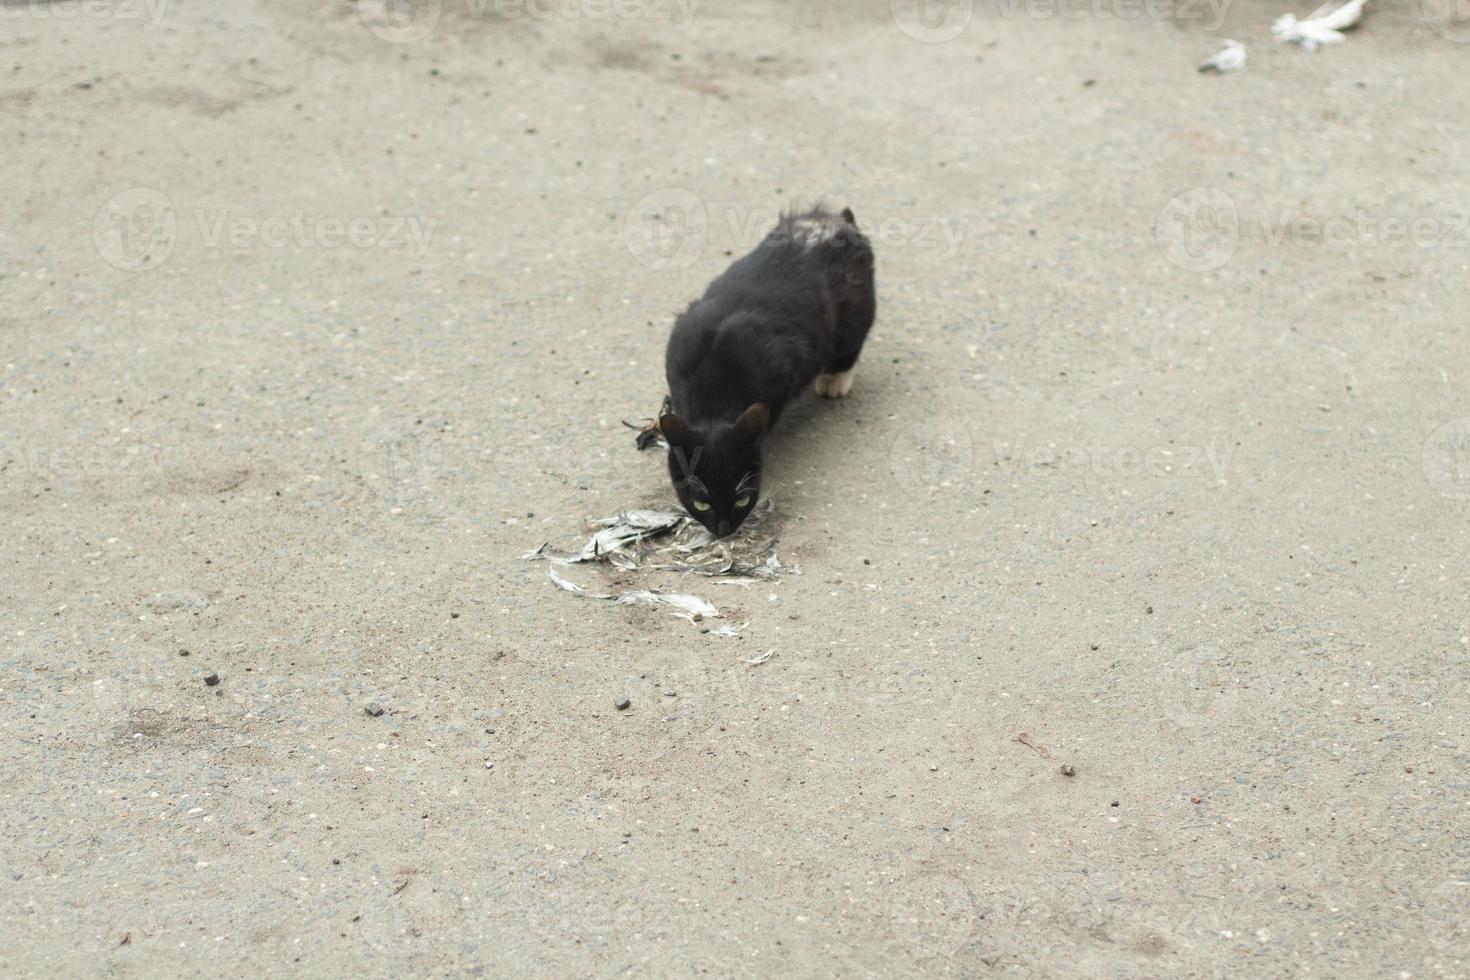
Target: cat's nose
(723, 529)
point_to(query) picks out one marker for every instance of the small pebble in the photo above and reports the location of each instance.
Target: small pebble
(374, 709)
(212, 680)
(489, 764)
(1067, 770)
(622, 704)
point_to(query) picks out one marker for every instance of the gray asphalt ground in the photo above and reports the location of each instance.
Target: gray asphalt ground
(313, 319)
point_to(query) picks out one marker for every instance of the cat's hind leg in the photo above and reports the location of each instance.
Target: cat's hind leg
(850, 272)
(855, 318)
(837, 384)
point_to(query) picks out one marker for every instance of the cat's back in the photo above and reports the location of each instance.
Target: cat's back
(805, 252)
(768, 320)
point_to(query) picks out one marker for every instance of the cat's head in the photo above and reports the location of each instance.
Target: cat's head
(717, 471)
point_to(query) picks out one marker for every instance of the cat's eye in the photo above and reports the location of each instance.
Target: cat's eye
(743, 501)
(701, 505)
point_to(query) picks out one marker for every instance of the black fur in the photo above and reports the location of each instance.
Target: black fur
(798, 306)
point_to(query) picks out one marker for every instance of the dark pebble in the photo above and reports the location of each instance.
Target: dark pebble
(374, 709)
(1067, 770)
(622, 704)
(212, 680)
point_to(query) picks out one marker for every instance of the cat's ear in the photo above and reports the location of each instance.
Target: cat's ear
(753, 422)
(676, 433)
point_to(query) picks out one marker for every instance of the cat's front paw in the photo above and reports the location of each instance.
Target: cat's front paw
(835, 385)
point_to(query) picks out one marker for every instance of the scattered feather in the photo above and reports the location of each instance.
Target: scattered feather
(1228, 59)
(757, 661)
(692, 607)
(672, 541)
(727, 630)
(1325, 25)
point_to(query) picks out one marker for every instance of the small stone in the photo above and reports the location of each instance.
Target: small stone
(1194, 799)
(1150, 610)
(622, 704)
(1067, 770)
(374, 709)
(489, 764)
(212, 680)
(1113, 895)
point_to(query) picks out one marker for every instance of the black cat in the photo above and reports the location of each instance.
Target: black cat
(791, 313)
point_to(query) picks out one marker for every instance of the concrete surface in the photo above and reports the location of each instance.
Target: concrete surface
(313, 321)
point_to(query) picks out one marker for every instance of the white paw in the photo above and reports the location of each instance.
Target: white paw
(835, 385)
